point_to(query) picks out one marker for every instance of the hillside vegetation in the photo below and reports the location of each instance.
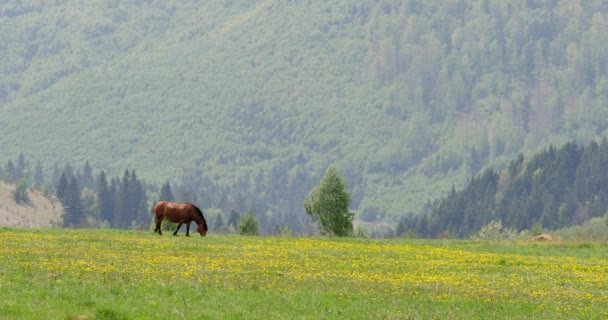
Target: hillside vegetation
(39, 212)
(554, 189)
(251, 101)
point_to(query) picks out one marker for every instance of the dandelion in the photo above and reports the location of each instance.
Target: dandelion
(342, 268)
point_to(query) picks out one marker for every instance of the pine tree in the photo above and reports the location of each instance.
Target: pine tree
(122, 218)
(62, 187)
(20, 170)
(106, 199)
(166, 194)
(87, 176)
(131, 202)
(38, 175)
(68, 170)
(73, 215)
(138, 200)
(21, 195)
(219, 224)
(11, 171)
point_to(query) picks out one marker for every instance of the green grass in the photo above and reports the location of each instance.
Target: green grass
(107, 274)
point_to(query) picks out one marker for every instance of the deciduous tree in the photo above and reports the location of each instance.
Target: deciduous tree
(328, 204)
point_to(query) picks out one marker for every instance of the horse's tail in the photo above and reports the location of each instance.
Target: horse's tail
(156, 209)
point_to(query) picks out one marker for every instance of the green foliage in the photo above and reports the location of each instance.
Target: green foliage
(537, 229)
(106, 198)
(218, 226)
(494, 231)
(555, 188)
(285, 231)
(21, 195)
(288, 278)
(166, 194)
(359, 233)
(595, 229)
(328, 203)
(168, 226)
(131, 205)
(109, 314)
(73, 215)
(248, 224)
(409, 98)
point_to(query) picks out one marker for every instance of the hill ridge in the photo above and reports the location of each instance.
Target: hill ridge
(406, 98)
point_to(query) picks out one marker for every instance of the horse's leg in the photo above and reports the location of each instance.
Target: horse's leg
(188, 229)
(158, 223)
(176, 230)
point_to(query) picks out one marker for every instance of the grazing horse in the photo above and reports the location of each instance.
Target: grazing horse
(179, 213)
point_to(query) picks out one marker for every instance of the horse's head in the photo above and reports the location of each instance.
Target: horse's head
(202, 229)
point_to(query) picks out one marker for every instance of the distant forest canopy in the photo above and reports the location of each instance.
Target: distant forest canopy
(95, 200)
(249, 102)
(556, 188)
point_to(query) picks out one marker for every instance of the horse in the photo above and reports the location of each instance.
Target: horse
(179, 213)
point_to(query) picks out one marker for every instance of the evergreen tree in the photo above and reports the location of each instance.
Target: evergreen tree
(20, 169)
(123, 213)
(106, 200)
(38, 175)
(131, 202)
(11, 171)
(87, 180)
(401, 228)
(166, 193)
(56, 175)
(219, 224)
(73, 215)
(138, 200)
(21, 195)
(68, 170)
(62, 187)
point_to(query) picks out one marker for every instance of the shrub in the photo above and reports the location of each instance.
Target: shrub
(20, 194)
(594, 229)
(494, 231)
(248, 224)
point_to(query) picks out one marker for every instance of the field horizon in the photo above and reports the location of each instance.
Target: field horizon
(117, 274)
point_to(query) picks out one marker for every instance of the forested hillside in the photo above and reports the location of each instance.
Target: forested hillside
(251, 101)
(555, 188)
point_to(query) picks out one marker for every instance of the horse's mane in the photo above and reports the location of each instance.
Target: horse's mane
(200, 213)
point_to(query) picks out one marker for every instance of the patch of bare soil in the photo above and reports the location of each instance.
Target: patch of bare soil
(547, 237)
(40, 212)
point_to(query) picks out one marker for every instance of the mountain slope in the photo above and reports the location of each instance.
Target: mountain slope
(554, 189)
(406, 99)
(40, 212)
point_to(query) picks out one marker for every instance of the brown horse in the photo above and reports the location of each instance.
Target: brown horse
(179, 213)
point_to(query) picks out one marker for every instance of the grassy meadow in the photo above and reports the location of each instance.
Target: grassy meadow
(109, 274)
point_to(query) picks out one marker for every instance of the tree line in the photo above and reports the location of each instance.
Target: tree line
(420, 81)
(555, 188)
(89, 200)
(101, 201)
